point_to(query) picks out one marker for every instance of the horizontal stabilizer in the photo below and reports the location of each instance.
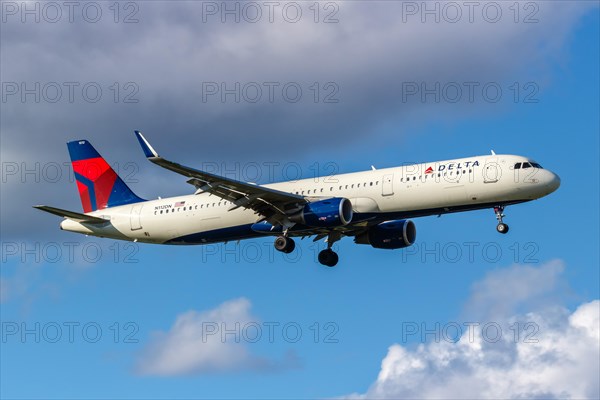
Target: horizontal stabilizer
(77, 217)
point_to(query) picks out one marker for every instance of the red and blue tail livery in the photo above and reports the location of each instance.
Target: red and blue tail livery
(98, 184)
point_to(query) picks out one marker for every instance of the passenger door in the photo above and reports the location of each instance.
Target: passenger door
(492, 171)
(135, 219)
(387, 187)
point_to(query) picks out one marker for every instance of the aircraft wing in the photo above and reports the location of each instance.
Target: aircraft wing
(75, 216)
(273, 205)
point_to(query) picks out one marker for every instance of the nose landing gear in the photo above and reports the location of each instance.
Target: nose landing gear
(501, 227)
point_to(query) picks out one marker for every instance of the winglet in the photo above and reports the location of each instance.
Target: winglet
(149, 152)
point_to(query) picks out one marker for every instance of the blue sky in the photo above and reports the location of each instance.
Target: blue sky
(548, 262)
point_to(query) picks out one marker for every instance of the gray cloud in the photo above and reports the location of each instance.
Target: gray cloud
(369, 55)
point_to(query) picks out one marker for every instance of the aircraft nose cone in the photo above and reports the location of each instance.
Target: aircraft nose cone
(554, 182)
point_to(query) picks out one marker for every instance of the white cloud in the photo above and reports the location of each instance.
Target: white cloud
(505, 291)
(196, 344)
(561, 359)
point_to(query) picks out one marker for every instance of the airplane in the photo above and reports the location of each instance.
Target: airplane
(374, 207)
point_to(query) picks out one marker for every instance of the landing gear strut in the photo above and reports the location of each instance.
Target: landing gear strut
(501, 227)
(284, 244)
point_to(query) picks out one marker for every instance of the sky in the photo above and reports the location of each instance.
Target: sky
(264, 93)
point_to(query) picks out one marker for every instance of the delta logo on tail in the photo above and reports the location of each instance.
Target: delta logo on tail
(98, 184)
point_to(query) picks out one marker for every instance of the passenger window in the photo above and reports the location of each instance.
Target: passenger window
(371, 184)
(161, 211)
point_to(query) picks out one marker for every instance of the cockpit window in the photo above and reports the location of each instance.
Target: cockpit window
(518, 165)
(536, 165)
(526, 165)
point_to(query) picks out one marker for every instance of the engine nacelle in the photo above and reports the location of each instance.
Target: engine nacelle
(328, 213)
(389, 235)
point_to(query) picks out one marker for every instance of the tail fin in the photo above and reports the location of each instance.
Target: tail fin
(98, 184)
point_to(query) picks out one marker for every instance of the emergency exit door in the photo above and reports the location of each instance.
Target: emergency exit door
(387, 187)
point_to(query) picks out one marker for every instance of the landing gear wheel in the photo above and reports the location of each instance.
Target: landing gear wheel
(328, 257)
(502, 228)
(284, 244)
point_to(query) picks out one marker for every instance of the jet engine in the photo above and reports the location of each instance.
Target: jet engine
(328, 213)
(395, 234)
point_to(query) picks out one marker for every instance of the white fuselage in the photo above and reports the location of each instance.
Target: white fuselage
(401, 192)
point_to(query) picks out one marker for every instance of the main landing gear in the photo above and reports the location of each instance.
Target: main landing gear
(501, 227)
(284, 244)
(327, 257)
